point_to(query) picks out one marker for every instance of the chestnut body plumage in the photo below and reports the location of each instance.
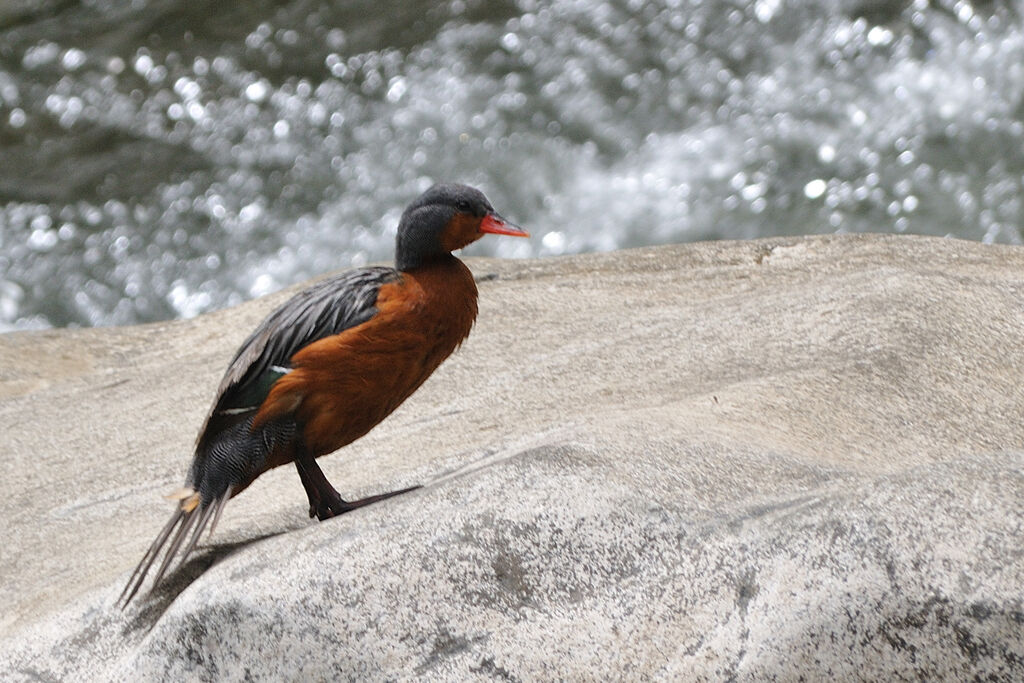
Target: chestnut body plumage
(331, 363)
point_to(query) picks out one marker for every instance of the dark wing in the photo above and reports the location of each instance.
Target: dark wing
(327, 308)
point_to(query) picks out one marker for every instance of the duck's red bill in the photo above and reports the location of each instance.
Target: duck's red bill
(496, 225)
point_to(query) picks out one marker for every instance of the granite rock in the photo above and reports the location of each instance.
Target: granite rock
(787, 458)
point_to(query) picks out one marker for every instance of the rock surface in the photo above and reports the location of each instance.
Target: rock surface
(798, 457)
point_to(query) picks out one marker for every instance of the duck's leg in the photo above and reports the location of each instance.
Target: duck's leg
(324, 501)
(311, 490)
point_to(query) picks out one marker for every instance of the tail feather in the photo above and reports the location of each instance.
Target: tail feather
(221, 502)
(191, 514)
(139, 575)
(179, 537)
(204, 518)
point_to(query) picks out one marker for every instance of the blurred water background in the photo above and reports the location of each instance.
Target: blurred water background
(162, 158)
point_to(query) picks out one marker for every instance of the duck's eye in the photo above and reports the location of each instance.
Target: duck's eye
(463, 206)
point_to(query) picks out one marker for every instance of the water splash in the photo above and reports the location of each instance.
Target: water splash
(167, 158)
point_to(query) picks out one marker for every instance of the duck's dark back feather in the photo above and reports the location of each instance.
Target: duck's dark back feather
(327, 308)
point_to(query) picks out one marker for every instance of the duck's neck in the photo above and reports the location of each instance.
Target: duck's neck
(416, 249)
(441, 268)
(406, 262)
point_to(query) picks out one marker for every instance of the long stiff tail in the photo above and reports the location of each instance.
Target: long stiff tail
(192, 514)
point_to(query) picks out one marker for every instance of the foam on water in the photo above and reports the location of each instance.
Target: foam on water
(164, 159)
